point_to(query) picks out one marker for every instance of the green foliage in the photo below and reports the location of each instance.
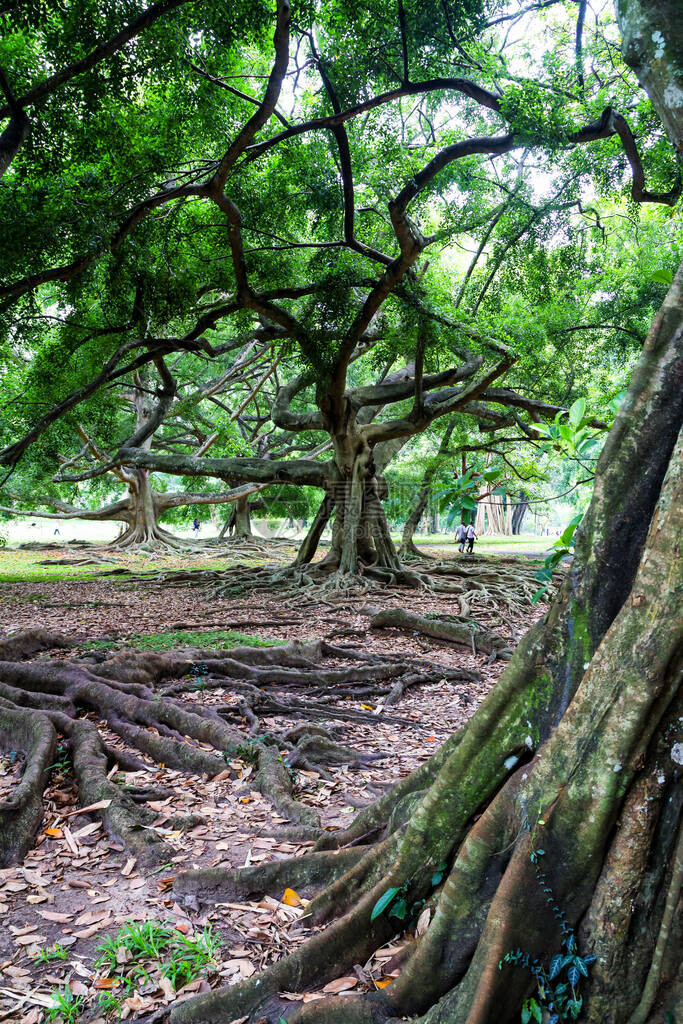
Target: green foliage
(533, 113)
(567, 285)
(66, 1006)
(211, 638)
(56, 952)
(557, 981)
(462, 495)
(386, 900)
(561, 549)
(63, 762)
(571, 434)
(107, 1003)
(153, 944)
(394, 901)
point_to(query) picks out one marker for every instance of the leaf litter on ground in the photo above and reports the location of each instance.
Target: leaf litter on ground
(76, 886)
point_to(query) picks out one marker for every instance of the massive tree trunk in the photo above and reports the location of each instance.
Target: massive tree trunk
(143, 514)
(360, 533)
(520, 509)
(238, 523)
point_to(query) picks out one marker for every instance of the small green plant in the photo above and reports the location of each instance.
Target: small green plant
(249, 751)
(394, 901)
(66, 1006)
(57, 952)
(557, 983)
(63, 762)
(146, 941)
(179, 958)
(107, 1003)
(190, 956)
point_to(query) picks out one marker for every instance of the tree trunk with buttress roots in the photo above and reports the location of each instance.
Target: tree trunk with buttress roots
(360, 532)
(575, 753)
(239, 521)
(143, 514)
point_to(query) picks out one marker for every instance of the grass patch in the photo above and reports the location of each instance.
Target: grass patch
(47, 955)
(23, 567)
(151, 950)
(211, 638)
(66, 1007)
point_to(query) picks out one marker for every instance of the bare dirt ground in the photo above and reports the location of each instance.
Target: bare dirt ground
(76, 887)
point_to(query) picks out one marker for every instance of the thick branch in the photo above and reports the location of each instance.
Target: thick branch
(251, 470)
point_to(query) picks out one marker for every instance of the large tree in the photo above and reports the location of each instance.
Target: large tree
(561, 792)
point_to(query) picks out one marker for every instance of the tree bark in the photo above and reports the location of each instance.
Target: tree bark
(242, 520)
(143, 515)
(519, 512)
(238, 523)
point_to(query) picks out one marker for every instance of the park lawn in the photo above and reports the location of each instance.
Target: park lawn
(45, 566)
(522, 544)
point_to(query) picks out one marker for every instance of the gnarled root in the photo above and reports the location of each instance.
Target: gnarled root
(445, 627)
(152, 702)
(22, 812)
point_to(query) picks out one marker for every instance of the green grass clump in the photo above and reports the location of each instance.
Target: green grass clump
(187, 638)
(65, 1005)
(212, 638)
(56, 952)
(157, 948)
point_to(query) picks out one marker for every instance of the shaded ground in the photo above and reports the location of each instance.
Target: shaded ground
(77, 887)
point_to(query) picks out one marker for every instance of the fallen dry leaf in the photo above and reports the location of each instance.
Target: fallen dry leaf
(101, 805)
(128, 866)
(55, 915)
(341, 985)
(423, 921)
(27, 940)
(291, 898)
(166, 987)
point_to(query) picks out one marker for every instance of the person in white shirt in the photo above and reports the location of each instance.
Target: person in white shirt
(470, 539)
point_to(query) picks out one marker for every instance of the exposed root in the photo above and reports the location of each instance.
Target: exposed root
(29, 643)
(153, 703)
(445, 627)
(193, 888)
(487, 584)
(22, 812)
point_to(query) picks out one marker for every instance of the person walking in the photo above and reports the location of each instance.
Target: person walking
(195, 527)
(470, 539)
(461, 536)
